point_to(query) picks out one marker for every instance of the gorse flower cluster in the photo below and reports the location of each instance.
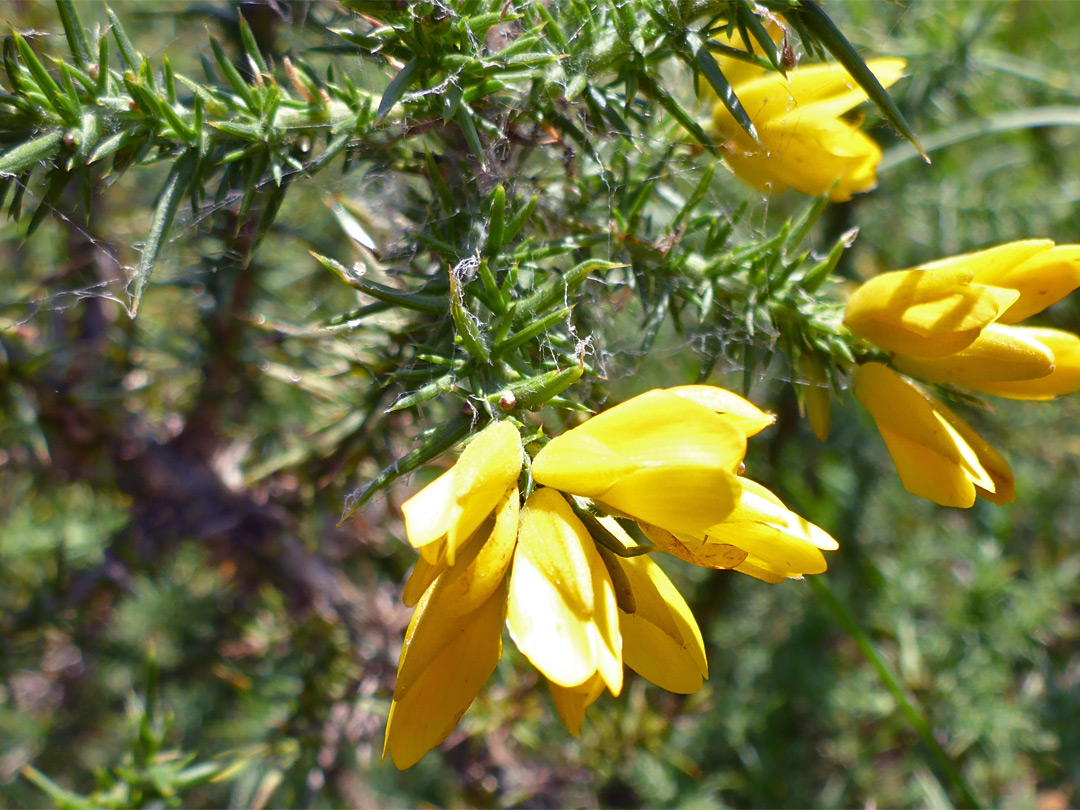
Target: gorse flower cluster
(953, 322)
(578, 595)
(554, 543)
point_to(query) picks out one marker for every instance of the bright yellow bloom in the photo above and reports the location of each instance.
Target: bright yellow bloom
(561, 611)
(931, 312)
(453, 642)
(936, 454)
(666, 457)
(441, 517)
(805, 142)
(1064, 379)
(761, 537)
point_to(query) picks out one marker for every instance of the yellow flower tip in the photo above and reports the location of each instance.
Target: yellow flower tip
(660, 457)
(1043, 278)
(442, 516)
(925, 312)
(937, 455)
(998, 354)
(561, 611)
(804, 143)
(572, 701)
(1064, 379)
(444, 663)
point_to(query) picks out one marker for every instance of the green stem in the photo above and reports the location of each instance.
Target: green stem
(914, 716)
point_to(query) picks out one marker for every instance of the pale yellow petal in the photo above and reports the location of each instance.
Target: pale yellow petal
(562, 612)
(661, 638)
(927, 474)
(922, 446)
(421, 578)
(429, 513)
(1003, 488)
(488, 467)
(759, 569)
(424, 714)
(659, 457)
(998, 354)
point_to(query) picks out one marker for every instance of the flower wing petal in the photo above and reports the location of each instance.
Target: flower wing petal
(426, 711)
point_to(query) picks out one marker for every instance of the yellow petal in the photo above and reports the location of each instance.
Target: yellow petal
(1064, 379)
(925, 313)
(425, 712)
(571, 702)
(998, 354)
(1002, 486)
(742, 413)
(421, 578)
(562, 612)
(770, 532)
(1043, 279)
(441, 517)
(481, 567)
(429, 513)
(659, 457)
(661, 638)
(936, 454)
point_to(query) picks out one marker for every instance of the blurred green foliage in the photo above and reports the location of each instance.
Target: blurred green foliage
(228, 644)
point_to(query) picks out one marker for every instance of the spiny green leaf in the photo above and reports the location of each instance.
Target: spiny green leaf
(164, 212)
(428, 449)
(29, 154)
(397, 87)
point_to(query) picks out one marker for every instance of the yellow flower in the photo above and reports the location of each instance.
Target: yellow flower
(561, 612)
(453, 642)
(666, 457)
(931, 312)
(440, 517)
(761, 537)
(805, 142)
(936, 454)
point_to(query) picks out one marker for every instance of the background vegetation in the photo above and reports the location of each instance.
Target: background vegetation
(183, 619)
